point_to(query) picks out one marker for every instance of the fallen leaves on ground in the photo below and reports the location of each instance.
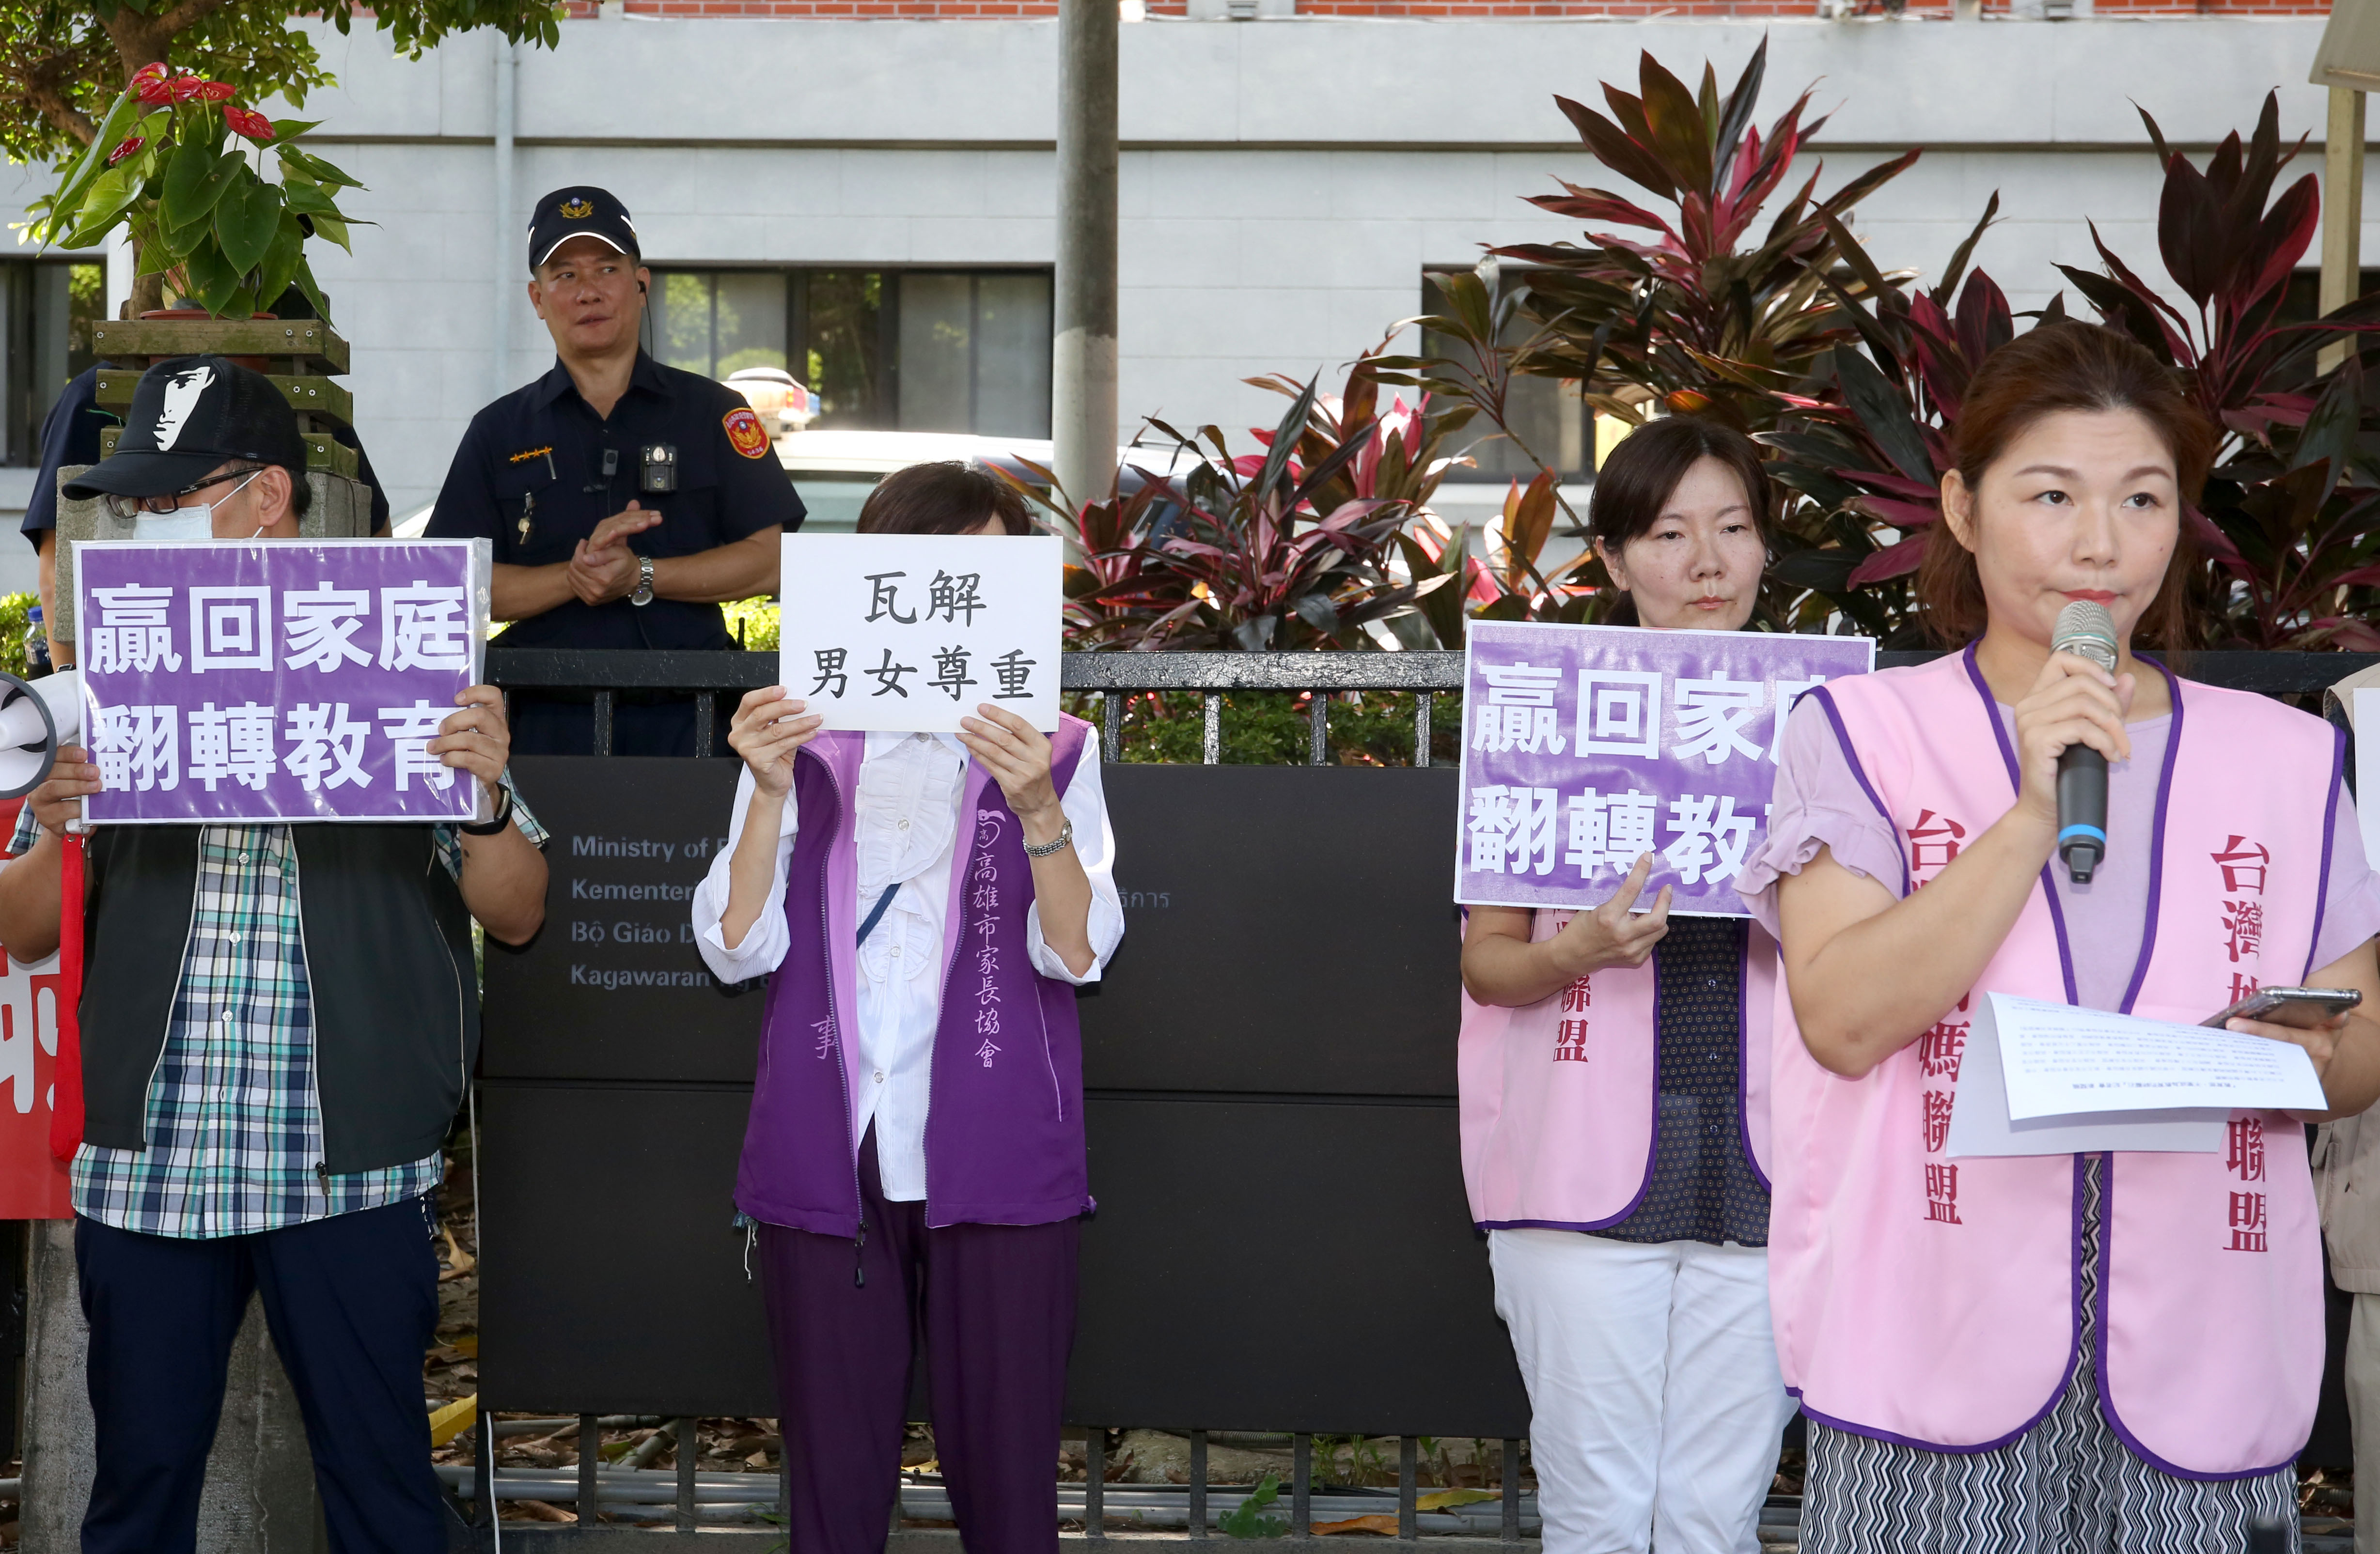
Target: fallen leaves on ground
(1384, 1525)
(1447, 1499)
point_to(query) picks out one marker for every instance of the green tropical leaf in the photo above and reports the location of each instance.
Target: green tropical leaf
(309, 201)
(287, 130)
(279, 267)
(195, 179)
(66, 204)
(178, 241)
(305, 282)
(314, 168)
(246, 219)
(214, 283)
(103, 203)
(332, 228)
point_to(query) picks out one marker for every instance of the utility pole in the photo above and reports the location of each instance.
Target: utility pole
(1082, 365)
(2347, 63)
(508, 242)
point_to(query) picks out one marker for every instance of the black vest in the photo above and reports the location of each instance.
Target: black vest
(387, 946)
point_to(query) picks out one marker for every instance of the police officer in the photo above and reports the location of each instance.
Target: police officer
(627, 499)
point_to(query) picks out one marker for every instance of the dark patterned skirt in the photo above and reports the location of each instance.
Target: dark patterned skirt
(2067, 1483)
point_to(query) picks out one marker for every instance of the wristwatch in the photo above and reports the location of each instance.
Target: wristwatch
(496, 823)
(644, 594)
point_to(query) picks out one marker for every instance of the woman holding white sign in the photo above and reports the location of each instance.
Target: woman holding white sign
(2112, 1351)
(1636, 1280)
(928, 904)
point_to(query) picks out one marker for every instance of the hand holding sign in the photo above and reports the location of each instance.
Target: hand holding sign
(1017, 756)
(59, 799)
(1615, 933)
(477, 739)
(769, 726)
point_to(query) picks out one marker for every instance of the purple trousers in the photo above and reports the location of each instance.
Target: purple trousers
(992, 1307)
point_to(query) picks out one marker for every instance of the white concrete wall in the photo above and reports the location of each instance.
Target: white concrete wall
(1283, 183)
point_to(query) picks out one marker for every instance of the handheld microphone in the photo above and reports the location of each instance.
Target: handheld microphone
(2088, 631)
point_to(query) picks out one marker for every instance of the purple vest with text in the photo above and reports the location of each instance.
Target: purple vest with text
(1005, 1128)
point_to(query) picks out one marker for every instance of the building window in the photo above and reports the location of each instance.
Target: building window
(1548, 414)
(47, 309)
(889, 350)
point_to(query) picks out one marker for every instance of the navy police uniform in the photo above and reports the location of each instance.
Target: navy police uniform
(539, 469)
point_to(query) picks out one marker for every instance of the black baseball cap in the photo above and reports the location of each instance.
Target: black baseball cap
(580, 211)
(191, 416)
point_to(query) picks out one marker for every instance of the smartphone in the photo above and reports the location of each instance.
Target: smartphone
(2303, 1008)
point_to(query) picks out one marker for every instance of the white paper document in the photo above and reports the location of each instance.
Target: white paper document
(2040, 1078)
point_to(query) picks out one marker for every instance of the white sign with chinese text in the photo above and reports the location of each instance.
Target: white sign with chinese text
(914, 632)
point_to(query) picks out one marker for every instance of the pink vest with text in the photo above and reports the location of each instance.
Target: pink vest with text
(1932, 1301)
(1559, 1097)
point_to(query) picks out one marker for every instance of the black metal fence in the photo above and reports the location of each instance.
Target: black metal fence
(605, 674)
(1259, 1086)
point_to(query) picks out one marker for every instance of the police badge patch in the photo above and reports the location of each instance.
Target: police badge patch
(577, 210)
(744, 432)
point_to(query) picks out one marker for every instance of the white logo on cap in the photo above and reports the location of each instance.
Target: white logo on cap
(182, 392)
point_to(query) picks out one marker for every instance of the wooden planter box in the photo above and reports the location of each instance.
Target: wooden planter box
(300, 357)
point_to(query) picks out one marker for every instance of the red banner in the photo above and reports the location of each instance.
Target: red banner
(33, 1181)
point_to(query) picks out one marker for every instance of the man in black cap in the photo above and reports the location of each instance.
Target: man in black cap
(278, 1023)
(627, 499)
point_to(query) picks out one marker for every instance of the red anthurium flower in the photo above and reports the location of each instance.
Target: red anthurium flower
(131, 143)
(255, 125)
(213, 91)
(153, 84)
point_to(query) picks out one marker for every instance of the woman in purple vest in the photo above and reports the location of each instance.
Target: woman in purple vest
(1636, 1280)
(914, 1162)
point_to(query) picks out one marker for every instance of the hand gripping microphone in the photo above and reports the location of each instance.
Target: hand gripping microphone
(2086, 631)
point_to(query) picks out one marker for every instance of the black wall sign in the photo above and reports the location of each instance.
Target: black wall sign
(1281, 1241)
(612, 987)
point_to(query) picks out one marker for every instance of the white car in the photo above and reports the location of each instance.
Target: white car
(835, 470)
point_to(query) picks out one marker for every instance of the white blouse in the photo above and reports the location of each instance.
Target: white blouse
(906, 815)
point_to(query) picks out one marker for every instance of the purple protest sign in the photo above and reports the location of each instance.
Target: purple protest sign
(277, 680)
(1588, 745)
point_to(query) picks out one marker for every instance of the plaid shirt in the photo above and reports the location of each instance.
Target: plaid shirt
(234, 1124)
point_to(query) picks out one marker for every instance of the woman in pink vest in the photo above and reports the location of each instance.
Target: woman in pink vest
(924, 907)
(1622, 1195)
(2114, 1352)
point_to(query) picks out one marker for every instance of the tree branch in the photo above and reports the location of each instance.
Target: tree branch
(142, 40)
(180, 19)
(43, 91)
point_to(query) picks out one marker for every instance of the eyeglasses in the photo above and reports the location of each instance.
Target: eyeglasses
(168, 502)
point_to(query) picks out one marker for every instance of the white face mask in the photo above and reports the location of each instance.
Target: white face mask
(186, 523)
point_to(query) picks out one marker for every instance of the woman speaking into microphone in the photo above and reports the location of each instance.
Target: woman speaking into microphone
(2110, 1352)
(1636, 1288)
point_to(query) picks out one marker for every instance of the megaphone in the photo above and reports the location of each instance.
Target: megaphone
(36, 717)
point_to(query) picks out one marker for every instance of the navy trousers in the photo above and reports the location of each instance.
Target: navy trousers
(994, 1308)
(352, 1302)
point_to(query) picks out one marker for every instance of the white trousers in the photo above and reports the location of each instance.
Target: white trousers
(1652, 1386)
(2364, 1416)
